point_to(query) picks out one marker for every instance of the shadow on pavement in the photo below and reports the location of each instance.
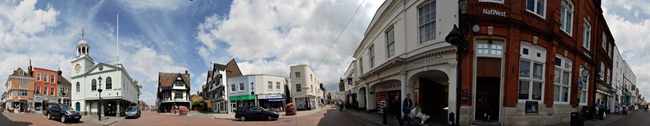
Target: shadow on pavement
(4, 120)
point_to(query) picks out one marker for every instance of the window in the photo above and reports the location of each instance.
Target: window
(62, 90)
(179, 83)
(94, 85)
(233, 88)
(531, 72)
(109, 83)
(487, 49)
(38, 76)
(372, 56)
(241, 86)
(270, 86)
(427, 17)
(178, 94)
(78, 87)
(496, 1)
(52, 78)
(38, 90)
(567, 16)
(21, 73)
(23, 82)
(601, 73)
(44, 90)
(360, 65)
(611, 52)
(585, 88)
(537, 6)
(52, 90)
(45, 77)
(297, 74)
(22, 92)
(609, 75)
(298, 88)
(604, 43)
(562, 79)
(586, 34)
(277, 85)
(390, 42)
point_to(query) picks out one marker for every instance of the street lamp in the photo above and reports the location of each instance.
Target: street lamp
(253, 93)
(100, 98)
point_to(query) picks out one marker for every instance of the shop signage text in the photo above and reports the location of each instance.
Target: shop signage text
(494, 12)
(427, 60)
(269, 96)
(243, 97)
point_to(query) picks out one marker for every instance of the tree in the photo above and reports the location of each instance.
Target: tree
(341, 85)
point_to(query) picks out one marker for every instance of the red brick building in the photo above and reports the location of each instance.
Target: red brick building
(525, 61)
(45, 87)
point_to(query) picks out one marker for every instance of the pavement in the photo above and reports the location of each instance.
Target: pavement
(282, 114)
(609, 120)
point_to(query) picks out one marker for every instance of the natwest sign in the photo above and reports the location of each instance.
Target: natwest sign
(494, 12)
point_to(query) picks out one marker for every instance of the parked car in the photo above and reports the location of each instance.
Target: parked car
(45, 110)
(251, 112)
(133, 112)
(63, 112)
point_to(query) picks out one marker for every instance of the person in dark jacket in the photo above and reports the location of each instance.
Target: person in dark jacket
(406, 108)
(394, 109)
(602, 108)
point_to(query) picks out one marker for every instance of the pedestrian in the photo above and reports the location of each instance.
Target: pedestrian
(340, 106)
(602, 109)
(394, 109)
(407, 109)
(594, 112)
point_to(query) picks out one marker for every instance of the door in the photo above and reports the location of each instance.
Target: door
(78, 106)
(488, 84)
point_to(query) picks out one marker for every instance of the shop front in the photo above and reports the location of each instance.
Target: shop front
(271, 101)
(385, 94)
(242, 101)
(41, 102)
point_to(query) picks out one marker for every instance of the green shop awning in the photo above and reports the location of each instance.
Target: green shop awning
(242, 97)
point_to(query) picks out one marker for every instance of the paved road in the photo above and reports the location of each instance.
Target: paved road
(328, 117)
(640, 118)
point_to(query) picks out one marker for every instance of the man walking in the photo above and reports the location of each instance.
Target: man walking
(602, 109)
(394, 109)
(340, 106)
(407, 109)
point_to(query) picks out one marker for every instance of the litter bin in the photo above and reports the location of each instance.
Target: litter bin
(576, 119)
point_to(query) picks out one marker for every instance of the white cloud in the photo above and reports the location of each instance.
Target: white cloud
(22, 21)
(148, 62)
(169, 5)
(272, 35)
(633, 45)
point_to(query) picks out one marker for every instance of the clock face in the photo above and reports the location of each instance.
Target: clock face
(77, 67)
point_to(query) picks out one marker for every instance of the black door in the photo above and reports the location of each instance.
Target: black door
(487, 98)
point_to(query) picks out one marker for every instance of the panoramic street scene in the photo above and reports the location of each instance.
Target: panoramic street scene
(324, 62)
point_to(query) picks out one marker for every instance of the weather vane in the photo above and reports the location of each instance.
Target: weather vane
(82, 34)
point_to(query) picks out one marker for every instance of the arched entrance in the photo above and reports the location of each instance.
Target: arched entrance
(432, 94)
(361, 98)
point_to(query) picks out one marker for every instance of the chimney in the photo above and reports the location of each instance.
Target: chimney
(58, 70)
(186, 74)
(29, 68)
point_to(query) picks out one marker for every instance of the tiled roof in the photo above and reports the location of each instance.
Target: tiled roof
(167, 79)
(15, 73)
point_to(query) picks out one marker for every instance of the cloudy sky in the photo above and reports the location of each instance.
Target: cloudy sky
(265, 37)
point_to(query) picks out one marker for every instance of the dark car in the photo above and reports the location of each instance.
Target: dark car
(45, 110)
(252, 112)
(63, 112)
(133, 112)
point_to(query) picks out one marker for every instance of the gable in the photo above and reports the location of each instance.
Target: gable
(101, 67)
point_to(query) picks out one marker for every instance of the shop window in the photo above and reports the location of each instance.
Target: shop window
(567, 16)
(562, 77)
(585, 88)
(531, 73)
(537, 6)
(427, 19)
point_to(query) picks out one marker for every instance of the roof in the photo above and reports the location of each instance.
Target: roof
(232, 69)
(167, 79)
(15, 73)
(63, 81)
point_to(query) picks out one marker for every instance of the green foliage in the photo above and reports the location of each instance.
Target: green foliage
(197, 103)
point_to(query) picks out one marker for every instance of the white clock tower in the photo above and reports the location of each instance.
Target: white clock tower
(82, 62)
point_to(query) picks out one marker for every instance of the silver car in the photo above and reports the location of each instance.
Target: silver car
(133, 112)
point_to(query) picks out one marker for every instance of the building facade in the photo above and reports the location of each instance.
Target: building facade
(305, 90)
(46, 87)
(404, 52)
(173, 91)
(261, 90)
(19, 93)
(64, 87)
(89, 77)
(533, 62)
(216, 88)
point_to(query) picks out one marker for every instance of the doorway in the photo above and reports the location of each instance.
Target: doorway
(487, 98)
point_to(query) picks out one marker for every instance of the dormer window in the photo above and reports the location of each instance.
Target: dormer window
(179, 78)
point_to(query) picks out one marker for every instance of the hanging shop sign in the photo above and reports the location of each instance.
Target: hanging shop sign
(494, 12)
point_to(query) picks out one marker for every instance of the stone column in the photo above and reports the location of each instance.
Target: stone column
(118, 108)
(453, 84)
(403, 90)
